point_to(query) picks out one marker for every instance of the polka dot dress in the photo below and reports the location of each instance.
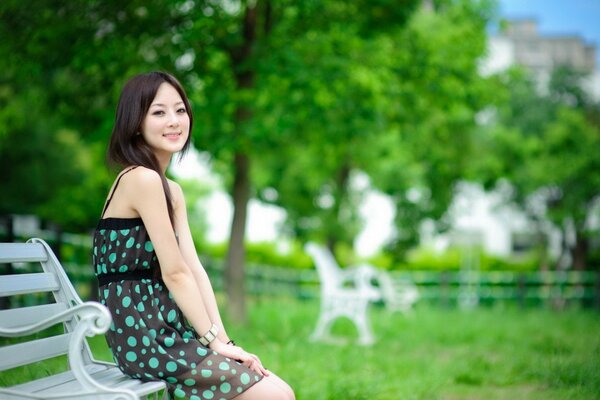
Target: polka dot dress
(149, 337)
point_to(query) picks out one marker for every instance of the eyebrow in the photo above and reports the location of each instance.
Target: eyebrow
(162, 105)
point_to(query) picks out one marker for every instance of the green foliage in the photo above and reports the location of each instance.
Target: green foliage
(263, 253)
(427, 259)
(546, 145)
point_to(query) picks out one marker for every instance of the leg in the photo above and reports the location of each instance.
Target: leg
(270, 387)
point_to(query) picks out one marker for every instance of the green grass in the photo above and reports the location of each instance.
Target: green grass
(434, 353)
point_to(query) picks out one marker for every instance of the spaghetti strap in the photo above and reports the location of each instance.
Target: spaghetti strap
(114, 189)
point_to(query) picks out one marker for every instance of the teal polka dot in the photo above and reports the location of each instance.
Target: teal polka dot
(123, 268)
(206, 373)
(145, 341)
(153, 362)
(131, 356)
(189, 382)
(195, 398)
(148, 246)
(124, 232)
(208, 394)
(245, 378)
(140, 307)
(169, 342)
(171, 366)
(126, 301)
(225, 387)
(179, 394)
(131, 341)
(223, 366)
(113, 235)
(129, 321)
(112, 257)
(119, 290)
(171, 379)
(201, 351)
(171, 316)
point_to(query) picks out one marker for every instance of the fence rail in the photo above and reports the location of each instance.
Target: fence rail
(556, 288)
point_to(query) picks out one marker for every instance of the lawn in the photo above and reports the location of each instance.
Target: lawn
(433, 353)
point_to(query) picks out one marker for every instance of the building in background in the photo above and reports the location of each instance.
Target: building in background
(484, 218)
(520, 43)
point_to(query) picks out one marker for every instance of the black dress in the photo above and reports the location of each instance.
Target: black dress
(149, 337)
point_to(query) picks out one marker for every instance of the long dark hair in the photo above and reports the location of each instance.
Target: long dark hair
(127, 146)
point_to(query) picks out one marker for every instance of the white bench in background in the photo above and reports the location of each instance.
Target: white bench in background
(348, 292)
(86, 378)
(344, 293)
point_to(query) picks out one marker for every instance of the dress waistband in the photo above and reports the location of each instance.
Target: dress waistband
(136, 275)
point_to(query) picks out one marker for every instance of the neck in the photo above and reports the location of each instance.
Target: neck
(164, 160)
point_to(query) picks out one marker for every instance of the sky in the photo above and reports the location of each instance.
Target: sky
(578, 17)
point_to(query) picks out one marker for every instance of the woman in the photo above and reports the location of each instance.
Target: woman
(166, 324)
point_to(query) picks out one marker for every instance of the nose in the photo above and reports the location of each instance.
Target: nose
(173, 119)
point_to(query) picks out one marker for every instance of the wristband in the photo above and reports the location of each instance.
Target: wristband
(209, 336)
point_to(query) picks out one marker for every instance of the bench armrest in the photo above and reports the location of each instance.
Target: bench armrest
(93, 319)
(83, 310)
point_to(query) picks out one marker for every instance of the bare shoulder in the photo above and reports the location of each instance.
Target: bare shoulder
(177, 193)
(142, 180)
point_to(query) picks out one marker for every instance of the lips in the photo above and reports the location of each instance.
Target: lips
(172, 135)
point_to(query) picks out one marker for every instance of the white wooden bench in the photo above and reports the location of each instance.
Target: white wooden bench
(344, 293)
(86, 378)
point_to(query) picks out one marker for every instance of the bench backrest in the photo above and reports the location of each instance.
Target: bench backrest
(328, 269)
(49, 278)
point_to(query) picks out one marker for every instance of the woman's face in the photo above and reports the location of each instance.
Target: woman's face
(166, 126)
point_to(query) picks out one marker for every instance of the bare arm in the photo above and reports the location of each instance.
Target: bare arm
(188, 251)
(146, 195)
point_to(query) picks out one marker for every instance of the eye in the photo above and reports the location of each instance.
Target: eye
(181, 110)
(158, 112)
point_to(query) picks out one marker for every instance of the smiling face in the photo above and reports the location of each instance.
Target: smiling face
(166, 126)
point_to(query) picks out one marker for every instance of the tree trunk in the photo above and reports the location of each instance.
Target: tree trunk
(8, 269)
(580, 251)
(236, 254)
(341, 194)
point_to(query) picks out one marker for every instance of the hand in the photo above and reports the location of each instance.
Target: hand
(240, 355)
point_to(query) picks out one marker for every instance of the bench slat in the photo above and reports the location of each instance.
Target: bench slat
(25, 316)
(11, 285)
(33, 351)
(110, 376)
(22, 252)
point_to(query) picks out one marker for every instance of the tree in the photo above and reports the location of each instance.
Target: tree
(546, 145)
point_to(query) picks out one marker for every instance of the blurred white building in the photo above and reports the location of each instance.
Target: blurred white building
(484, 217)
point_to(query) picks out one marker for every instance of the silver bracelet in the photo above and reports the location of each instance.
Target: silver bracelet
(209, 336)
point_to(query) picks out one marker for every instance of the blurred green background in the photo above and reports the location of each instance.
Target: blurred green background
(293, 100)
